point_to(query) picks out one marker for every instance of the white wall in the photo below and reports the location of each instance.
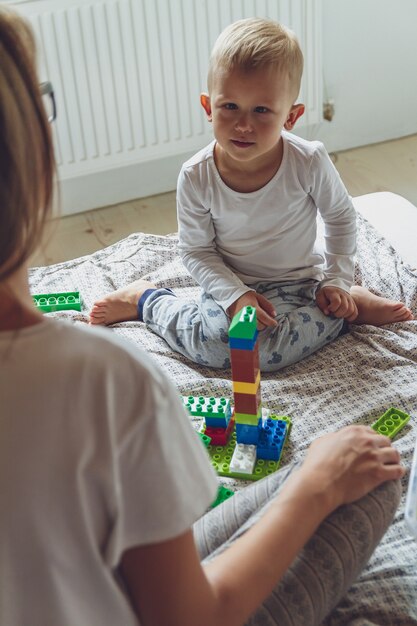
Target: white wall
(370, 71)
(369, 50)
(127, 76)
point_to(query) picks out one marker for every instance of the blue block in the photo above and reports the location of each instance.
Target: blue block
(217, 422)
(243, 344)
(245, 433)
(271, 439)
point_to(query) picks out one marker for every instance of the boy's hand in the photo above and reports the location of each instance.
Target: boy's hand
(265, 312)
(332, 300)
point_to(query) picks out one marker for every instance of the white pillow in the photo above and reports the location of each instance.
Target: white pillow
(395, 218)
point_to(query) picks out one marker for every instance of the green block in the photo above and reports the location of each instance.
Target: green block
(63, 301)
(205, 439)
(201, 406)
(222, 495)
(222, 455)
(243, 324)
(248, 418)
(391, 422)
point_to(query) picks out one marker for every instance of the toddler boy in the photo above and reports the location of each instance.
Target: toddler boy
(247, 215)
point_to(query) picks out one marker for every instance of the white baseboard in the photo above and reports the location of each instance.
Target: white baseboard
(92, 190)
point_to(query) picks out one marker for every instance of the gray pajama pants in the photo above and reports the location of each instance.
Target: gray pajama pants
(325, 568)
(199, 331)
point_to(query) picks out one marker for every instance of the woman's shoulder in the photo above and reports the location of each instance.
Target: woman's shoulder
(96, 347)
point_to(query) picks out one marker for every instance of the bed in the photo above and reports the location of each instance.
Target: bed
(353, 380)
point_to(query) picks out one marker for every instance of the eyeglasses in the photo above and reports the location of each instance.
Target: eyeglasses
(47, 90)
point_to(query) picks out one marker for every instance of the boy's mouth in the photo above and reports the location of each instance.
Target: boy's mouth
(242, 144)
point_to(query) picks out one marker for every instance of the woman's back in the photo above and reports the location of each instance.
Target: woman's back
(84, 472)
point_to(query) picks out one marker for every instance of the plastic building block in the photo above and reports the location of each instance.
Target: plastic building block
(248, 402)
(245, 364)
(49, 302)
(206, 440)
(411, 501)
(274, 416)
(222, 455)
(245, 356)
(243, 324)
(248, 418)
(217, 422)
(391, 422)
(222, 495)
(243, 344)
(243, 387)
(243, 459)
(219, 436)
(200, 406)
(244, 372)
(248, 434)
(271, 439)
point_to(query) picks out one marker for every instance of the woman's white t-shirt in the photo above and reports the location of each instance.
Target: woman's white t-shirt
(97, 455)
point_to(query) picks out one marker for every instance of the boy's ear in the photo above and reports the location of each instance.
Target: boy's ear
(296, 111)
(205, 103)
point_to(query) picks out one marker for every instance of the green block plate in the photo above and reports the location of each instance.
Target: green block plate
(222, 455)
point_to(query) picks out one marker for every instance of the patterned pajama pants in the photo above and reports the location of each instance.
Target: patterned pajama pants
(324, 569)
(200, 331)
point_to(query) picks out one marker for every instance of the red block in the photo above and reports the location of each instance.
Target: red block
(242, 373)
(220, 436)
(247, 402)
(245, 364)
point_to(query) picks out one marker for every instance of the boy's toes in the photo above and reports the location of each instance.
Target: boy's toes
(398, 312)
(98, 314)
(404, 314)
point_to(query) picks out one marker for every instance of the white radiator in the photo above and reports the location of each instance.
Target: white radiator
(127, 76)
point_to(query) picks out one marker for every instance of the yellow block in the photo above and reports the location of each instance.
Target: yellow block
(252, 388)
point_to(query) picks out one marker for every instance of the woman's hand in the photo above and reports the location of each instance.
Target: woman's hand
(351, 462)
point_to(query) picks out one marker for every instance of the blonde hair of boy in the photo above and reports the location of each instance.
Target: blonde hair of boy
(257, 43)
(27, 163)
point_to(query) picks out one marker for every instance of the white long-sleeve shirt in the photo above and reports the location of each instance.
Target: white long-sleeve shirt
(229, 240)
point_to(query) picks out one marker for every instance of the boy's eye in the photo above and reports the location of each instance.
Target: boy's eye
(230, 106)
(261, 110)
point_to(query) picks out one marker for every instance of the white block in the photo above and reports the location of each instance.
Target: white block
(243, 459)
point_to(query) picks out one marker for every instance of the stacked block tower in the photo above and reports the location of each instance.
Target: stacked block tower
(241, 443)
(267, 435)
(246, 375)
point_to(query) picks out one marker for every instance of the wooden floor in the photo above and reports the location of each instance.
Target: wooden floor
(388, 166)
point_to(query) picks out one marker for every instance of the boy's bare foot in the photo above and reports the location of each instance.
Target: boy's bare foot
(120, 305)
(376, 310)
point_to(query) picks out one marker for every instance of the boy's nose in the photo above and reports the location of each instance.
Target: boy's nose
(243, 124)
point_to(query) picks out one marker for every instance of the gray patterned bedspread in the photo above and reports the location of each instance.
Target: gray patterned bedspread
(353, 380)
